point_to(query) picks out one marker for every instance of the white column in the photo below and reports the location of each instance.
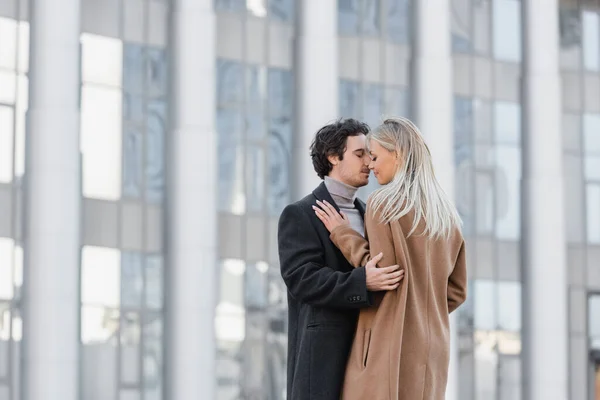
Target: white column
(191, 205)
(316, 62)
(545, 323)
(50, 359)
(433, 113)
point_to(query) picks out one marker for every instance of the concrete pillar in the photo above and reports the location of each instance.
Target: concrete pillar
(191, 239)
(433, 113)
(544, 298)
(316, 71)
(50, 359)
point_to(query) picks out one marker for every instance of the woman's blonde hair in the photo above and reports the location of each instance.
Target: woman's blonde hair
(414, 186)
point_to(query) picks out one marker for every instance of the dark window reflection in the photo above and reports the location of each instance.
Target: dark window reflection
(399, 20)
(132, 161)
(155, 150)
(348, 12)
(230, 81)
(461, 25)
(282, 10)
(371, 21)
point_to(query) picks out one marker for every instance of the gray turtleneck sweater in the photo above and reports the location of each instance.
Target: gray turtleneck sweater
(344, 196)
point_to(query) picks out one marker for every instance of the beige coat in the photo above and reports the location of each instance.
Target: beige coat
(402, 344)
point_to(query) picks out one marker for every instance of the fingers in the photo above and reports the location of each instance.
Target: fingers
(344, 216)
(321, 214)
(391, 268)
(376, 259)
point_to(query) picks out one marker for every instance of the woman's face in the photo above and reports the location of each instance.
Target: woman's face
(384, 163)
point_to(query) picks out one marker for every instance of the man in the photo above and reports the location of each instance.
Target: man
(324, 291)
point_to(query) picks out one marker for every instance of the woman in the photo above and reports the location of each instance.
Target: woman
(402, 344)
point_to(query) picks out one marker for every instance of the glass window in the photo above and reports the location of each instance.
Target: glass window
(509, 306)
(482, 121)
(257, 8)
(231, 162)
(591, 40)
(8, 43)
(156, 72)
(593, 213)
(230, 318)
(101, 60)
(154, 282)
(132, 281)
(152, 357)
(23, 58)
(101, 125)
(482, 27)
(484, 203)
(280, 92)
(133, 68)
(256, 94)
(21, 108)
(509, 377)
(507, 30)
(100, 276)
(98, 325)
(373, 104)
(230, 5)
(155, 150)
(574, 198)
(348, 12)
(350, 104)
(133, 108)
(592, 167)
(256, 286)
(507, 122)
(396, 102)
(282, 10)
(230, 80)
(280, 133)
(594, 316)
(461, 25)
(570, 35)
(6, 270)
(132, 161)
(485, 305)
(255, 177)
(508, 192)
(591, 133)
(130, 335)
(6, 143)
(463, 122)
(398, 20)
(370, 18)
(486, 366)
(8, 87)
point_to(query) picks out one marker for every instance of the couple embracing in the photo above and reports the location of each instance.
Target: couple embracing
(371, 287)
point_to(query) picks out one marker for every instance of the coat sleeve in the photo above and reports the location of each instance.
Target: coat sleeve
(457, 282)
(359, 250)
(303, 268)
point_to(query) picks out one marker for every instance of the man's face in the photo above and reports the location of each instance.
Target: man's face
(353, 169)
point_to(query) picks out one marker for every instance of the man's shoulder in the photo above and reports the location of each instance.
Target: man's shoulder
(305, 203)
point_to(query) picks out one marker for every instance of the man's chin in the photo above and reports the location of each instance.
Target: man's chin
(362, 183)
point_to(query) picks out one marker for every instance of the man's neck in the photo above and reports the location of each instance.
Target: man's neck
(340, 191)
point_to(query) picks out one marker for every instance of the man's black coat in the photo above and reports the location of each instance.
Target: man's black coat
(324, 295)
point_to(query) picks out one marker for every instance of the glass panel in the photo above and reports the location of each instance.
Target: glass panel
(130, 348)
(398, 20)
(348, 11)
(485, 203)
(570, 35)
(257, 8)
(509, 375)
(6, 270)
(230, 80)
(231, 162)
(255, 100)
(8, 87)
(7, 120)
(255, 177)
(99, 325)
(592, 167)
(350, 104)
(156, 72)
(509, 306)
(591, 133)
(463, 122)
(230, 5)
(485, 305)
(101, 60)
(132, 281)
(482, 26)
(155, 150)
(482, 111)
(508, 192)
(100, 276)
(396, 102)
(8, 43)
(280, 92)
(23, 57)
(486, 366)
(18, 271)
(5, 342)
(594, 316)
(101, 125)
(282, 10)
(132, 163)
(591, 40)
(21, 108)
(507, 122)
(129, 394)
(593, 213)
(256, 286)
(370, 18)
(133, 108)
(133, 68)
(573, 190)
(280, 134)
(461, 25)
(230, 315)
(507, 30)
(152, 357)
(373, 104)
(154, 282)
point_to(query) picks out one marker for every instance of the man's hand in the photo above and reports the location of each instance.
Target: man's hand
(381, 279)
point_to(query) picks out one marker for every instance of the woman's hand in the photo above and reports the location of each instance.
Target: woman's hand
(329, 216)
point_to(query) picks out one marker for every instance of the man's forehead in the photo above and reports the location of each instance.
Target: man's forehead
(355, 143)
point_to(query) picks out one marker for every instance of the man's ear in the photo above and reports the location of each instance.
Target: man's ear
(333, 159)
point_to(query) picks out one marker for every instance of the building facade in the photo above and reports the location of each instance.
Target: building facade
(192, 120)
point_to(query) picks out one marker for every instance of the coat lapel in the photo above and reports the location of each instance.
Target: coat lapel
(322, 194)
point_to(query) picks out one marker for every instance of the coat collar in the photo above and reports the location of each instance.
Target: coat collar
(322, 194)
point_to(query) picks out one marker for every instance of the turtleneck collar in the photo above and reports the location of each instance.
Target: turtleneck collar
(340, 190)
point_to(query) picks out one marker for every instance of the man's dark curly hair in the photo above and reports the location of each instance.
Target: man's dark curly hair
(330, 140)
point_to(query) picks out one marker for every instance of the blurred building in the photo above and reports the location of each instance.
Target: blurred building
(148, 240)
